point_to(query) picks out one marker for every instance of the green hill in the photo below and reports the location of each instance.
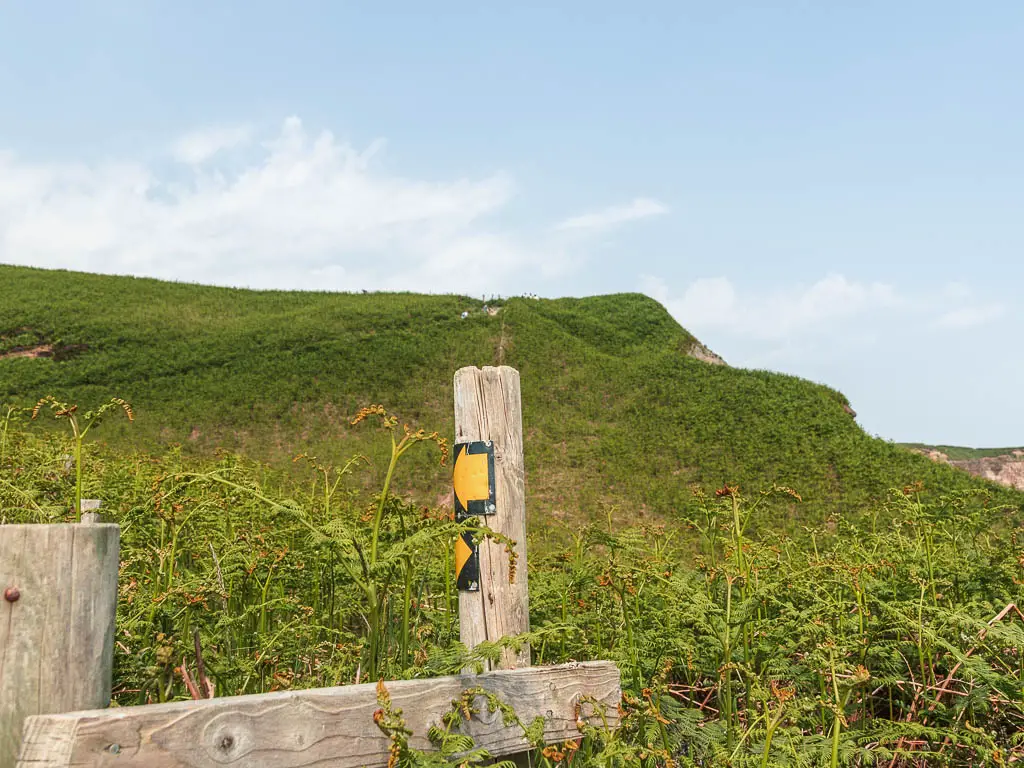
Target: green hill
(616, 412)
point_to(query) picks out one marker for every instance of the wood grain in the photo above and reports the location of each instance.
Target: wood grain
(488, 407)
(326, 727)
(57, 638)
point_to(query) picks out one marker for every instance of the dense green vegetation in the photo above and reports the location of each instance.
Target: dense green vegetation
(859, 611)
(615, 411)
(892, 638)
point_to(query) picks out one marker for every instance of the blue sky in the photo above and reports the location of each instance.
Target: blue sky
(832, 190)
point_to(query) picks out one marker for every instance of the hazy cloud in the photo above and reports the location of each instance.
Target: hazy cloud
(969, 317)
(200, 146)
(640, 208)
(295, 210)
(716, 304)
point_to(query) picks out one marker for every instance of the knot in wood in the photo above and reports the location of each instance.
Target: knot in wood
(11, 594)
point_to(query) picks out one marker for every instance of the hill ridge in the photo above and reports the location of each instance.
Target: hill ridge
(617, 411)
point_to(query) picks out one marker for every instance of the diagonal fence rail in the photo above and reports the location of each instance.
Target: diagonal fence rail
(323, 727)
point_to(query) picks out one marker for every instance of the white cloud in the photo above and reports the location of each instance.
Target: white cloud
(200, 146)
(605, 219)
(715, 304)
(957, 291)
(969, 317)
(296, 211)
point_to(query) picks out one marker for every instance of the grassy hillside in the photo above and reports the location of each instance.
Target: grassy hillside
(615, 411)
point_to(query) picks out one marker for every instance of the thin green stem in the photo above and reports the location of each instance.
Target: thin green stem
(396, 451)
(406, 607)
(838, 715)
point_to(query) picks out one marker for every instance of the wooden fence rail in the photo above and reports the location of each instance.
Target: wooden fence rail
(325, 727)
(69, 575)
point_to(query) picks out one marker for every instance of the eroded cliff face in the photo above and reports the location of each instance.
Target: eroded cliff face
(1006, 470)
(704, 354)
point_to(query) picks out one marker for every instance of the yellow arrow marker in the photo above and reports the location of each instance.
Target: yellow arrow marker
(462, 554)
(472, 482)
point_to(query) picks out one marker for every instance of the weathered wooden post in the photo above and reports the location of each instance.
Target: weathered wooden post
(57, 618)
(91, 511)
(489, 422)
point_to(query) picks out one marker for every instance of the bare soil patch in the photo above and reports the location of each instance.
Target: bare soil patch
(40, 350)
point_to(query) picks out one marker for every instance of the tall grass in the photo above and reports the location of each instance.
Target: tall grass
(889, 638)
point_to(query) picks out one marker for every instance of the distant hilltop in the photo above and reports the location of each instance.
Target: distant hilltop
(1000, 465)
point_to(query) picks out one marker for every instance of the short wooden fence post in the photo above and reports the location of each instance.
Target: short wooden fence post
(57, 616)
(488, 408)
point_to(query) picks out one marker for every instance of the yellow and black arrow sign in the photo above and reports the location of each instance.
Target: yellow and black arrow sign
(474, 479)
(474, 495)
(467, 564)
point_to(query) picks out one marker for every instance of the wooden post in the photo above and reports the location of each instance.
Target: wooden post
(90, 512)
(488, 407)
(57, 615)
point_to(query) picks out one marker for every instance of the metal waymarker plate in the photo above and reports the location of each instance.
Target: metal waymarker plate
(467, 564)
(474, 496)
(474, 479)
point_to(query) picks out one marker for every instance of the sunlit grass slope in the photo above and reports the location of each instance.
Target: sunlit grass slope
(616, 413)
